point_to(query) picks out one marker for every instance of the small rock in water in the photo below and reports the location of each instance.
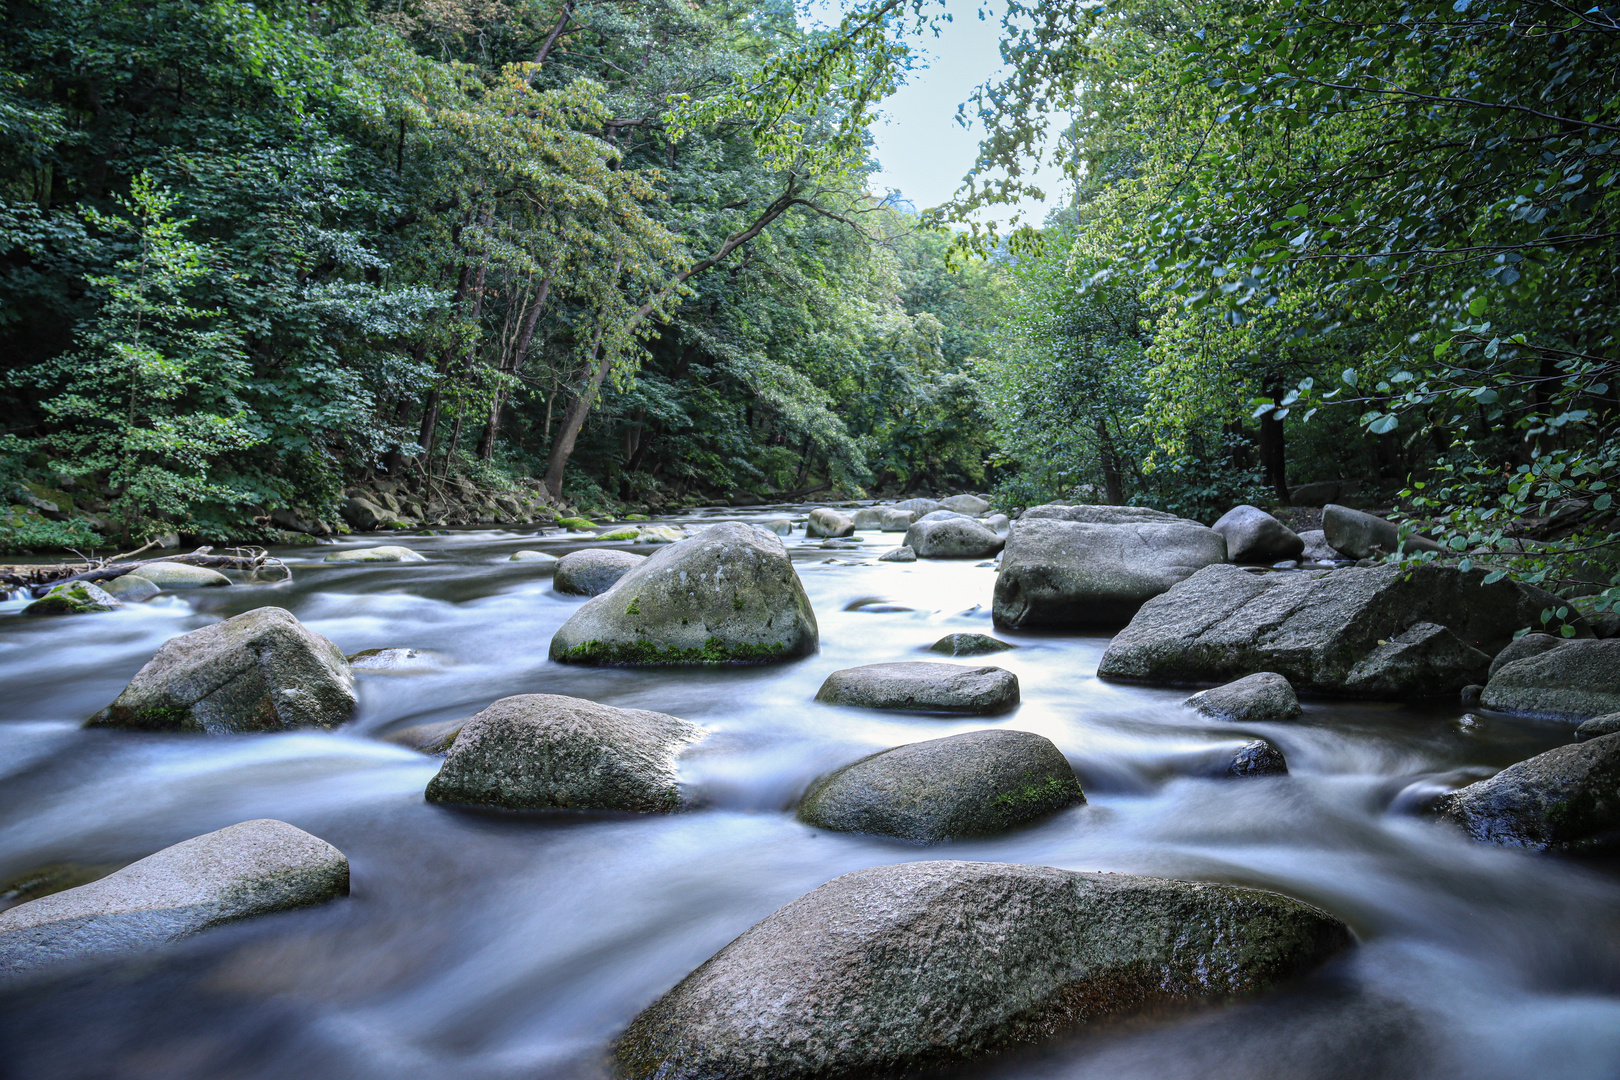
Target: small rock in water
(251, 869)
(826, 522)
(179, 575)
(435, 738)
(969, 645)
(1264, 695)
(965, 504)
(779, 526)
(840, 545)
(1469, 698)
(896, 520)
(1317, 549)
(549, 752)
(393, 661)
(544, 559)
(74, 598)
(1567, 799)
(385, 553)
(919, 966)
(1578, 679)
(899, 554)
(952, 538)
(975, 784)
(593, 571)
(659, 534)
(1257, 758)
(922, 686)
(131, 588)
(1598, 726)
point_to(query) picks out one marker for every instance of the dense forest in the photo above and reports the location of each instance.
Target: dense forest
(625, 256)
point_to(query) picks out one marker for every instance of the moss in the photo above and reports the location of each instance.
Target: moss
(620, 534)
(637, 517)
(737, 603)
(713, 651)
(1033, 799)
(576, 523)
(634, 607)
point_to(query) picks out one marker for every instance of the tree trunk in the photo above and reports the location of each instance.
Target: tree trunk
(1273, 451)
(513, 364)
(1113, 483)
(562, 447)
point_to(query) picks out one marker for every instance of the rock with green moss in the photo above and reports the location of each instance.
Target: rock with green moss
(974, 784)
(593, 571)
(576, 523)
(394, 553)
(922, 686)
(1567, 799)
(727, 595)
(74, 598)
(969, 645)
(921, 966)
(260, 671)
(627, 533)
(659, 534)
(131, 588)
(549, 752)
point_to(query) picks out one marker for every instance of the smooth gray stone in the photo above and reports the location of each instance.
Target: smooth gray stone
(922, 686)
(899, 554)
(868, 518)
(389, 553)
(971, 505)
(826, 522)
(1257, 758)
(943, 515)
(179, 575)
(1578, 679)
(131, 588)
(1598, 726)
(975, 784)
(541, 559)
(1102, 514)
(1567, 799)
(919, 507)
(907, 968)
(997, 523)
(1317, 549)
(1264, 695)
(894, 520)
(261, 671)
(1361, 535)
(778, 526)
(549, 752)
(254, 868)
(969, 645)
(956, 538)
(1252, 535)
(1529, 645)
(593, 571)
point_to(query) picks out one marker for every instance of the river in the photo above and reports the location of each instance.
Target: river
(488, 946)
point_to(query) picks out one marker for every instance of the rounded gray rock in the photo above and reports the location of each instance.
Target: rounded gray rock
(1360, 535)
(549, 752)
(899, 554)
(541, 559)
(131, 588)
(1252, 535)
(593, 571)
(1101, 514)
(868, 518)
(1578, 679)
(971, 505)
(1526, 646)
(969, 645)
(894, 520)
(923, 686)
(952, 538)
(179, 575)
(389, 553)
(924, 965)
(1567, 799)
(1598, 726)
(825, 522)
(260, 671)
(1264, 695)
(918, 507)
(975, 784)
(1257, 758)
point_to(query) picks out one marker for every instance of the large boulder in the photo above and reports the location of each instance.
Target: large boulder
(919, 966)
(1361, 535)
(894, 519)
(974, 784)
(965, 504)
(728, 595)
(1100, 514)
(593, 571)
(386, 553)
(827, 522)
(74, 598)
(365, 515)
(868, 518)
(250, 869)
(166, 574)
(1057, 572)
(1567, 799)
(919, 507)
(922, 686)
(1252, 535)
(260, 671)
(130, 588)
(955, 538)
(1264, 695)
(1578, 679)
(548, 752)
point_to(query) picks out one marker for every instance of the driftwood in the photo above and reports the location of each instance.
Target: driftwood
(41, 579)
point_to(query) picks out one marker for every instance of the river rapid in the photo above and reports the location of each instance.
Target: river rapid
(491, 946)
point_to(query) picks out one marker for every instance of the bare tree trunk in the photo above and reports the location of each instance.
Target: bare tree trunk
(513, 364)
(1108, 454)
(562, 447)
(1273, 451)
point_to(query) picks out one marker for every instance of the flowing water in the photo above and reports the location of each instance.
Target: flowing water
(486, 946)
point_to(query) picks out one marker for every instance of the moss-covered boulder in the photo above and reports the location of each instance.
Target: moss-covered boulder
(924, 965)
(923, 686)
(1265, 695)
(727, 595)
(593, 571)
(1567, 799)
(74, 598)
(549, 752)
(975, 784)
(260, 671)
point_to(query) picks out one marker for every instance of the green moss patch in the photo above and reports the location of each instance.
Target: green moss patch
(637, 653)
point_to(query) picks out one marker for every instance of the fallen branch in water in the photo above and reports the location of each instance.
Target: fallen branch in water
(41, 579)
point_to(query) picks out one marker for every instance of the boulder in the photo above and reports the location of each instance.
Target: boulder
(825, 522)
(179, 575)
(1361, 535)
(1605, 624)
(659, 534)
(997, 523)
(922, 686)
(1567, 799)
(1598, 726)
(254, 868)
(1264, 695)
(131, 588)
(1528, 645)
(779, 526)
(548, 752)
(593, 571)
(969, 645)
(920, 966)
(1100, 514)
(1257, 758)
(918, 507)
(868, 518)
(260, 671)
(1254, 536)
(894, 520)
(1321, 492)
(975, 784)
(74, 598)
(385, 553)
(1057, 572)
(957, 538)
(365, 515)
(543, 559)
(1578, 679)
(1314, 628)
(1317, 549)
(971, 505)
(899, 554)
(728, 595)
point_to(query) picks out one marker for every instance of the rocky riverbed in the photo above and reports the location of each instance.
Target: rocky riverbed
(1238, 886)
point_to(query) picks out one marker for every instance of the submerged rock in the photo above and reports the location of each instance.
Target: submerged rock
(1579, 678)
(250, 869)
(1360, 535)
(261, 671)
(1257, 758)
(1264, 695)
(434, 738)
(1566, 799)
(396, 661)
(74, 598)
(899, 554)
(922, 686)
(956, 538)
(969, 645)
(779, 526)
(593, 571)
(728, 595)
(548, 752)
(975, 784)
(1252, 535)
(965, 504)
(385, 553)
(825, 522)
(541, 558)
(924, 965)
(1316, 628)
(1057, 572)
(131, 588)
